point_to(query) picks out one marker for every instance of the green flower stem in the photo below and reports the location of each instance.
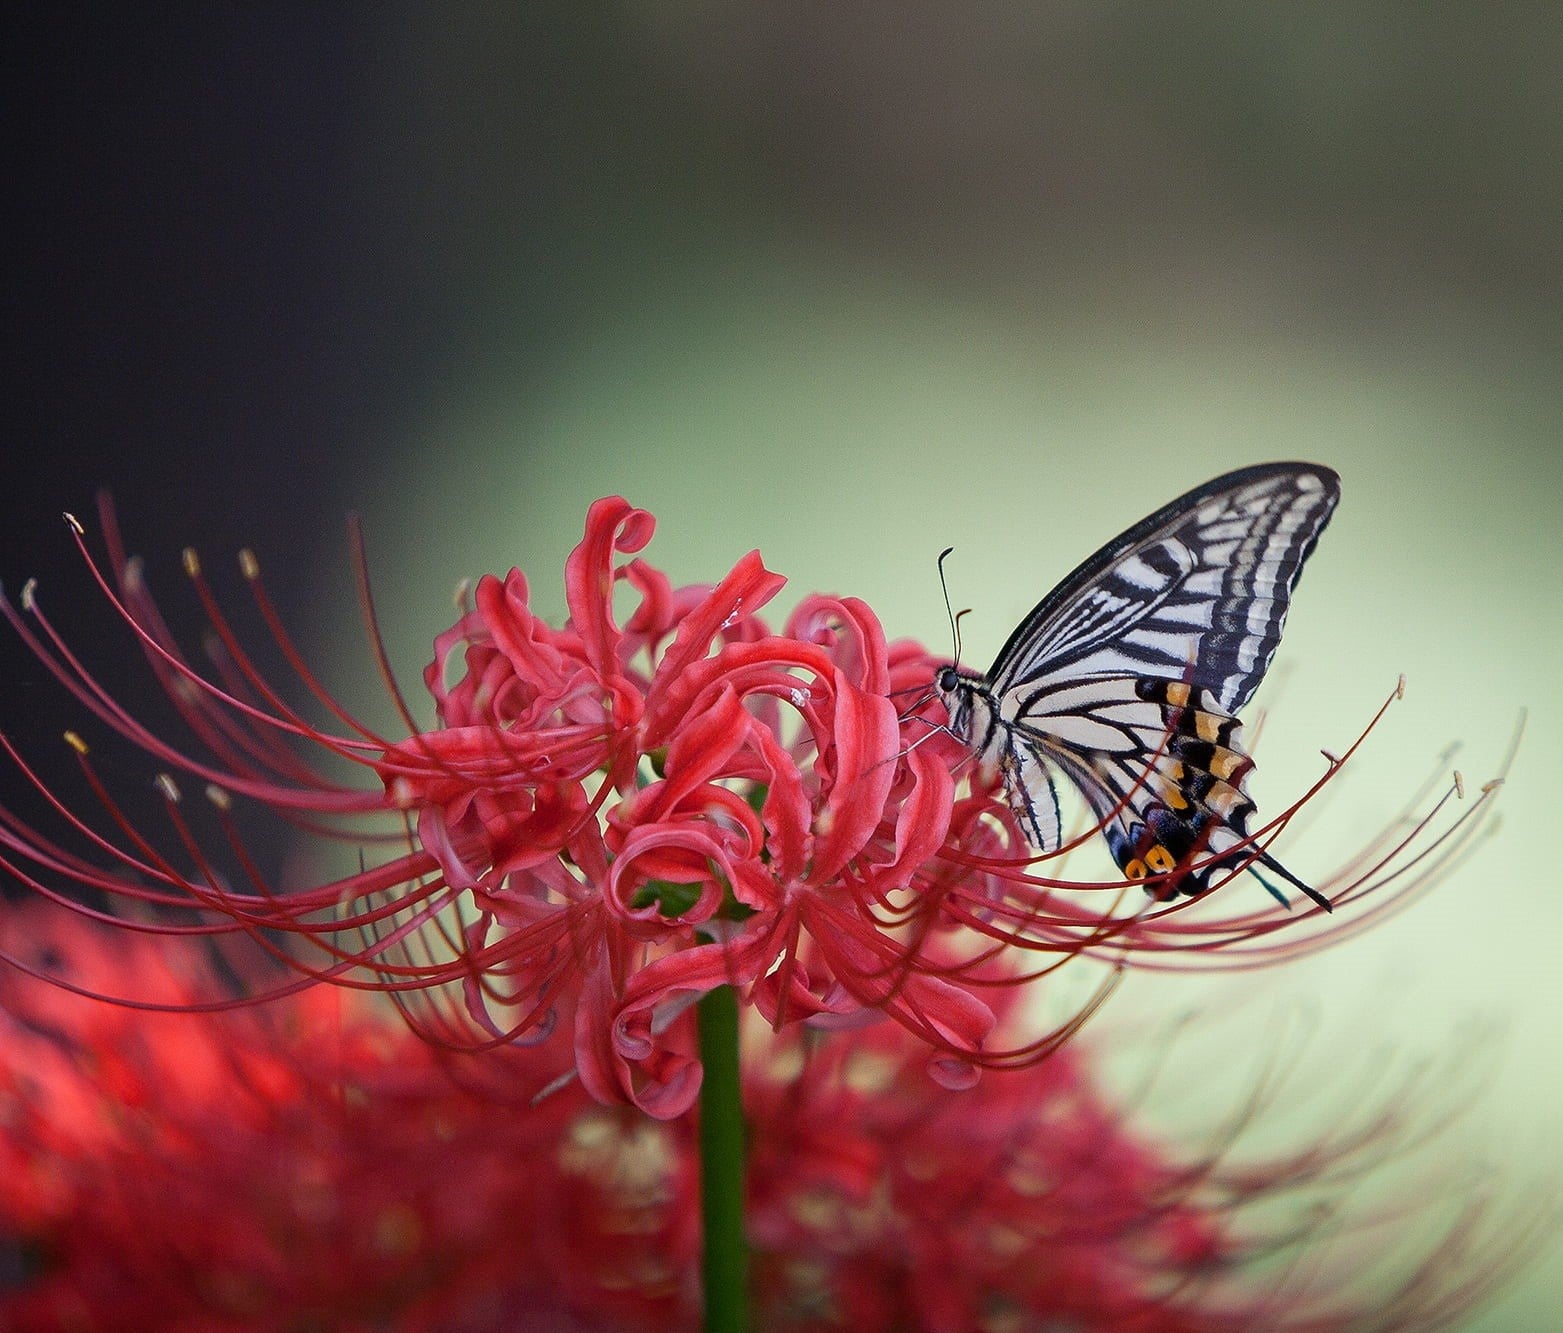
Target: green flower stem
(726, 1256)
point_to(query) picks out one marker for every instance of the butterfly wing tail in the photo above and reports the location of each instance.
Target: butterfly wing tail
(1270, 863)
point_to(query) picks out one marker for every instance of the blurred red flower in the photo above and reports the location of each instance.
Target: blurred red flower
(310, 1164)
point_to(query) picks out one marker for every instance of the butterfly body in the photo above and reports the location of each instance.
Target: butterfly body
(1127, 678)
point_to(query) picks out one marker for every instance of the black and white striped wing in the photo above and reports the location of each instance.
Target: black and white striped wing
(1196, 593)
(1160, 764)
(1127, 676)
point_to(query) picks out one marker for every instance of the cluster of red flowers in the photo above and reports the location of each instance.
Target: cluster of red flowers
(611, 819)
(310, 1164)
(751, 794)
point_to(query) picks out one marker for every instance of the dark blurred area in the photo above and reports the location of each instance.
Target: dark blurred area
(181, 318)
(182, 328)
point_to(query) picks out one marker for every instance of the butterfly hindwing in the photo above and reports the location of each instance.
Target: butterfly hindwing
(1176, 799)
(1032, 796)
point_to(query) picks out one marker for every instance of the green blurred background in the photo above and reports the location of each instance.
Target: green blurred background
(851, 283)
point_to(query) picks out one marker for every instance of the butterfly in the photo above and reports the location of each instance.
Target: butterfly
(1128, 676)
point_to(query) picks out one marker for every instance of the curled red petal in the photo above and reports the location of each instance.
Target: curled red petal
(657, 1067)
(595, 1059)
(763, 664)
(855, 955)
(703, 746)
(922, 821)
(612, 524)
(864, 658)
(537, 652)
(786, 811)
(748, 586)
(865, 737)
(698, 859)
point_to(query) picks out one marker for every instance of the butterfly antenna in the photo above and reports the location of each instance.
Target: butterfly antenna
(955, 621)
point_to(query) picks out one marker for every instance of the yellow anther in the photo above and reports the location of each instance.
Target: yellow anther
(192, 562)
(1459, 785)
(75, 742)
(218, 797)
(249, 566)
(1400, 687)
(75, 524)
(167, 787)
(30, 596)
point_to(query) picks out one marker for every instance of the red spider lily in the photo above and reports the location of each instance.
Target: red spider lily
(307, 1165)
(609, 820)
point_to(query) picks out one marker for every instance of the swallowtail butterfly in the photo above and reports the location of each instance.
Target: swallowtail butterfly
(1128, 676)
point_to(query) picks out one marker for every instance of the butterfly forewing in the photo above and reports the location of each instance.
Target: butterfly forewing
(1197, 592)
(1127, 675)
